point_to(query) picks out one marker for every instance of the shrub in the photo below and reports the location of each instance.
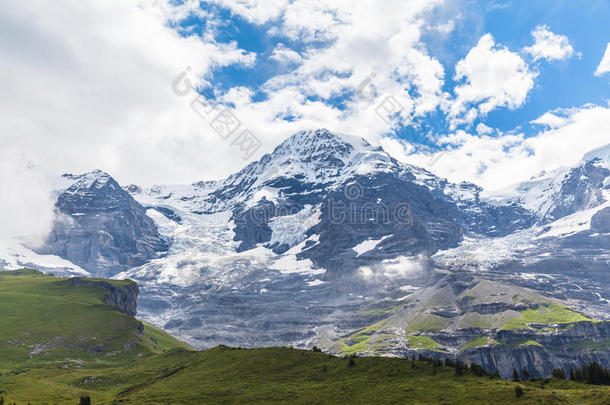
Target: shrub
(518, 391)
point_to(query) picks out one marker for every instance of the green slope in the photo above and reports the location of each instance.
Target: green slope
(280, 375)
(45, 321)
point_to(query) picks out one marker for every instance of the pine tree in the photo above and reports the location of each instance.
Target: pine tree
(459, 368)
(559, 373)
(515, 375)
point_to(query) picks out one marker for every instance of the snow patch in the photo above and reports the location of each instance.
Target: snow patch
(288, 264)
(368, 245)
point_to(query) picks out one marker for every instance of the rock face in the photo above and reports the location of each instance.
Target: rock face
(102, 229)
(572, 348)
(600, 222)
(123, 297)
(405, 217)
(581, 189)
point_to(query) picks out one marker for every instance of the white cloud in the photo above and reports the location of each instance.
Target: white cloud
(549, 46)
(90, 87)
(550, 120)
(256, 11)
(360, 52)
(493, 77)
(604, 65)
(495, 162)
(285, 55)
(483, 129)
(398, 268)
(27, 203)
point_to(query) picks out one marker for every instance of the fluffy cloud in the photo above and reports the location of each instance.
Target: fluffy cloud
(549, 46)
(604, 65)
(550, 120)
(256, 11)
(493, 77)
(388, 270)
(89, 86)
(285, 55)
(26, 206)
(497, 162)
(353, 59)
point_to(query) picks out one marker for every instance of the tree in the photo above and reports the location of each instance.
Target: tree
(515, 375)
(459, 368)
(351, 362)
(85, 400)
(559, 373)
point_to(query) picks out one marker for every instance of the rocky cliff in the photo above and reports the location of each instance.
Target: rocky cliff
(123, 296)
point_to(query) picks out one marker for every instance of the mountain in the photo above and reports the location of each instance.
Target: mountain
(328, 240)
(101, 228)
(564, 191)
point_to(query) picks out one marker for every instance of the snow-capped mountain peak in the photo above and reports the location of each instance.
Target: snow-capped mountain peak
(95, 179)
(564, 191)
(320, 154)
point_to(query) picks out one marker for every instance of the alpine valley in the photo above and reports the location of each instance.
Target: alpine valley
(329, 241)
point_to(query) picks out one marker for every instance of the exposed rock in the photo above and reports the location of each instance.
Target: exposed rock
(600, 222)
(102, 229)
(122, 297)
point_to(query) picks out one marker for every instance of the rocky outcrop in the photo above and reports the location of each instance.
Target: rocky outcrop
(540, 353)
(408, 217)
(537, 360)
(581, 189)
(123, 297)
(600, 222)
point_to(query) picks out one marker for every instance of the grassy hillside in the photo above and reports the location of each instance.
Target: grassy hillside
(280, 375)
(45, 321)
(58, 343)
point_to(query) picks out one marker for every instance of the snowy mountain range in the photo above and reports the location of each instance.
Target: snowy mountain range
(330, 241)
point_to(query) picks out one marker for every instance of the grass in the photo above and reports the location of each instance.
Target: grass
(423, 322)
(359, 341)
(43, 321)
(282, 376)
(530, 343)
(423, 342)
(549, 314)
(477, 342)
